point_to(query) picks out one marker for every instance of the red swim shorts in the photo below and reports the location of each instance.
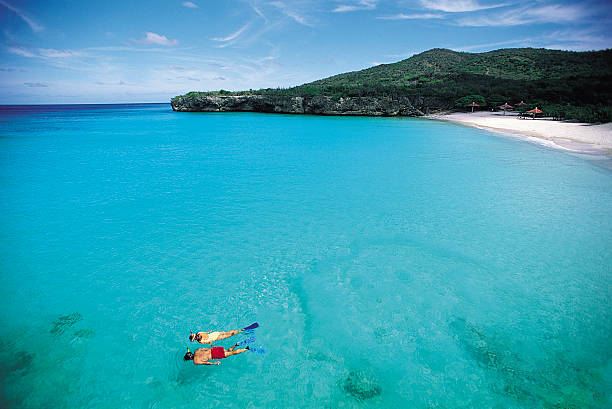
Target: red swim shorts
(217, 353)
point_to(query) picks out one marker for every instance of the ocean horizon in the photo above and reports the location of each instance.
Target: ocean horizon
(389, 262)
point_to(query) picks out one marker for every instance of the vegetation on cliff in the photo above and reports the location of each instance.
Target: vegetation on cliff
(565, 84)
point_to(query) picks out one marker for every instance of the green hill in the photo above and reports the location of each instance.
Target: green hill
(565, 84)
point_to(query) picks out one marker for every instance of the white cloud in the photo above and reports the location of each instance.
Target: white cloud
(127, 48)
(527, 15)
(577, 40)
(187, 77)
(96, 77)
(359, 5)
(29, 21)
(519, 42)
(290, 13)
(154, 38)
(53, 53)
(457, 6)
(259, 12)
(230, 38)
(65, 59)
(402, 56)
(190, 5)
(35, 85)
(416, 16)
(21, 51)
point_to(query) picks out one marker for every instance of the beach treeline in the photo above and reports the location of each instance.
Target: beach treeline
(564, 84)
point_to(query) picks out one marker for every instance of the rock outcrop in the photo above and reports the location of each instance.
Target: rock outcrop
(315, 105)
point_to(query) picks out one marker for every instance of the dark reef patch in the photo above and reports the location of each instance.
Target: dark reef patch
(558, 383)
(22, 362)
(361, 385)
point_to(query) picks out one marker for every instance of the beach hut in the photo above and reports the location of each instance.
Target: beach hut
(473, 104)
(534, 111)
(505, 106)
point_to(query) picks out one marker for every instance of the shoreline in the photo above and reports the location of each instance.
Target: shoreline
(571, 137)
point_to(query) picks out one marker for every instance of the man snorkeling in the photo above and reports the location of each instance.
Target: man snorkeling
(208, 337)
(202, 356)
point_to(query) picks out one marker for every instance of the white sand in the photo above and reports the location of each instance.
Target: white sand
(575, 137)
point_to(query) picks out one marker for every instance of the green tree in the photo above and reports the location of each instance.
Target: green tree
(463, 102)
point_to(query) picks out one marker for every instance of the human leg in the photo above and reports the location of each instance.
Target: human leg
(233, 351)
(225, 334)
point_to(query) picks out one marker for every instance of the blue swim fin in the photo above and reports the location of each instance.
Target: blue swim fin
(257, 350)
(246, 341)
(252, 326)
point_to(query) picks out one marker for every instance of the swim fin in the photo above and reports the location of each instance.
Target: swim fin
(257, 350)
(246, 341)
(252, 326)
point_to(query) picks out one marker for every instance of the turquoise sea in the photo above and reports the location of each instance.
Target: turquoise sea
(390, 263)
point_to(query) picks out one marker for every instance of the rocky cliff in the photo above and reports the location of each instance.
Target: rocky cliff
(316, 105)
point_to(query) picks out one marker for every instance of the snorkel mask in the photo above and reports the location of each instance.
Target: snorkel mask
(188, 356)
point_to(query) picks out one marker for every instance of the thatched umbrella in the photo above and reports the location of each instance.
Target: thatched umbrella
(519, 106)
(505, 106)
(473, 104)
(534, 111)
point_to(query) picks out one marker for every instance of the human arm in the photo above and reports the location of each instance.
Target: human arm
(212, 363)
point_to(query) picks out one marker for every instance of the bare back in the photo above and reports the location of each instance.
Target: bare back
(209, 337)
(202, 337)
(201, 355)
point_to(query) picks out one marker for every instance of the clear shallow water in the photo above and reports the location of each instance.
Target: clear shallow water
(389, 262)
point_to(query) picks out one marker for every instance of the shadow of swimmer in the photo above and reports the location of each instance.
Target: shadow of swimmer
(64, 322)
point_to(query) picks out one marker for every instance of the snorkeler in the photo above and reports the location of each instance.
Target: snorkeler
(202, 356)
(208, 337)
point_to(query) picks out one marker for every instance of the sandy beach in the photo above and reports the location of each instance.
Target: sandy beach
(574, 137)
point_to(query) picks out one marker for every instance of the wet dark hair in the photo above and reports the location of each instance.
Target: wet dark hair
(192, 337)
(188, 356)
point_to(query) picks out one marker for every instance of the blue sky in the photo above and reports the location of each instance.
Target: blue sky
(77, 51)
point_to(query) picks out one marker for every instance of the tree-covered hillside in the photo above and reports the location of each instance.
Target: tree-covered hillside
(565, 84)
